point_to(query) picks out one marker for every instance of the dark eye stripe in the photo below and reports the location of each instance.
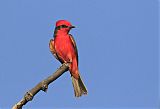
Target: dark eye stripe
(64, 26)
(61, 26)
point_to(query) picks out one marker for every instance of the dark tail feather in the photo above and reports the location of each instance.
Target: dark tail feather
(79, 87)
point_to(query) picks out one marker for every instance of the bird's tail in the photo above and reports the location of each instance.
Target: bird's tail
(79, 87)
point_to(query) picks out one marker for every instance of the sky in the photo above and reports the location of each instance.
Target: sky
(118, 50)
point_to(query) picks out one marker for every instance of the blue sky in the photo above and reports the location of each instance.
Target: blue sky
(118, 52)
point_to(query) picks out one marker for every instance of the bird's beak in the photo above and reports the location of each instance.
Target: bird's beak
(72, 27)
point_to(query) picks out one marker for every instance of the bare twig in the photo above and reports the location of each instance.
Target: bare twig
(43, 85)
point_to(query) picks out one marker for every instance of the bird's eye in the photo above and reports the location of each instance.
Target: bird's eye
(61, 26)
(64, 26)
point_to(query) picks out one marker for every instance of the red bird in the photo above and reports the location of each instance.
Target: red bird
(64, 49)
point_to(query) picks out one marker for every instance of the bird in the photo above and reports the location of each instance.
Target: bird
(64, 49)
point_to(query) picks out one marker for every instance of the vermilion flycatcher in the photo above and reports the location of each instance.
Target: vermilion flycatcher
(64, 49)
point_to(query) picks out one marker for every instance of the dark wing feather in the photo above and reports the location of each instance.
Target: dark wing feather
(74, 45)
(53, 51)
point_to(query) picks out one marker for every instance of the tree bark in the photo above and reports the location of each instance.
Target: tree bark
(43, 85)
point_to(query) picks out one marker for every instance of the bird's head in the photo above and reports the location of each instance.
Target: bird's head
(64, 25)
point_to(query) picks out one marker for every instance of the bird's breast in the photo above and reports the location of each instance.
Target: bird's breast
(64, 47)
(62, 42)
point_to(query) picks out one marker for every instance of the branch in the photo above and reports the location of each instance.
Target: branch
(43, 85)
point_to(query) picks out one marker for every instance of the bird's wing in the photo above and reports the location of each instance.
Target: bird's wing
(75, 46)
(52, 49)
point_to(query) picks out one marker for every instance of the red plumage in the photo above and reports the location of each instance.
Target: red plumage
(63, 47)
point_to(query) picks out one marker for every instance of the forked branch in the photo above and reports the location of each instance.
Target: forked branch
(43, 85)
